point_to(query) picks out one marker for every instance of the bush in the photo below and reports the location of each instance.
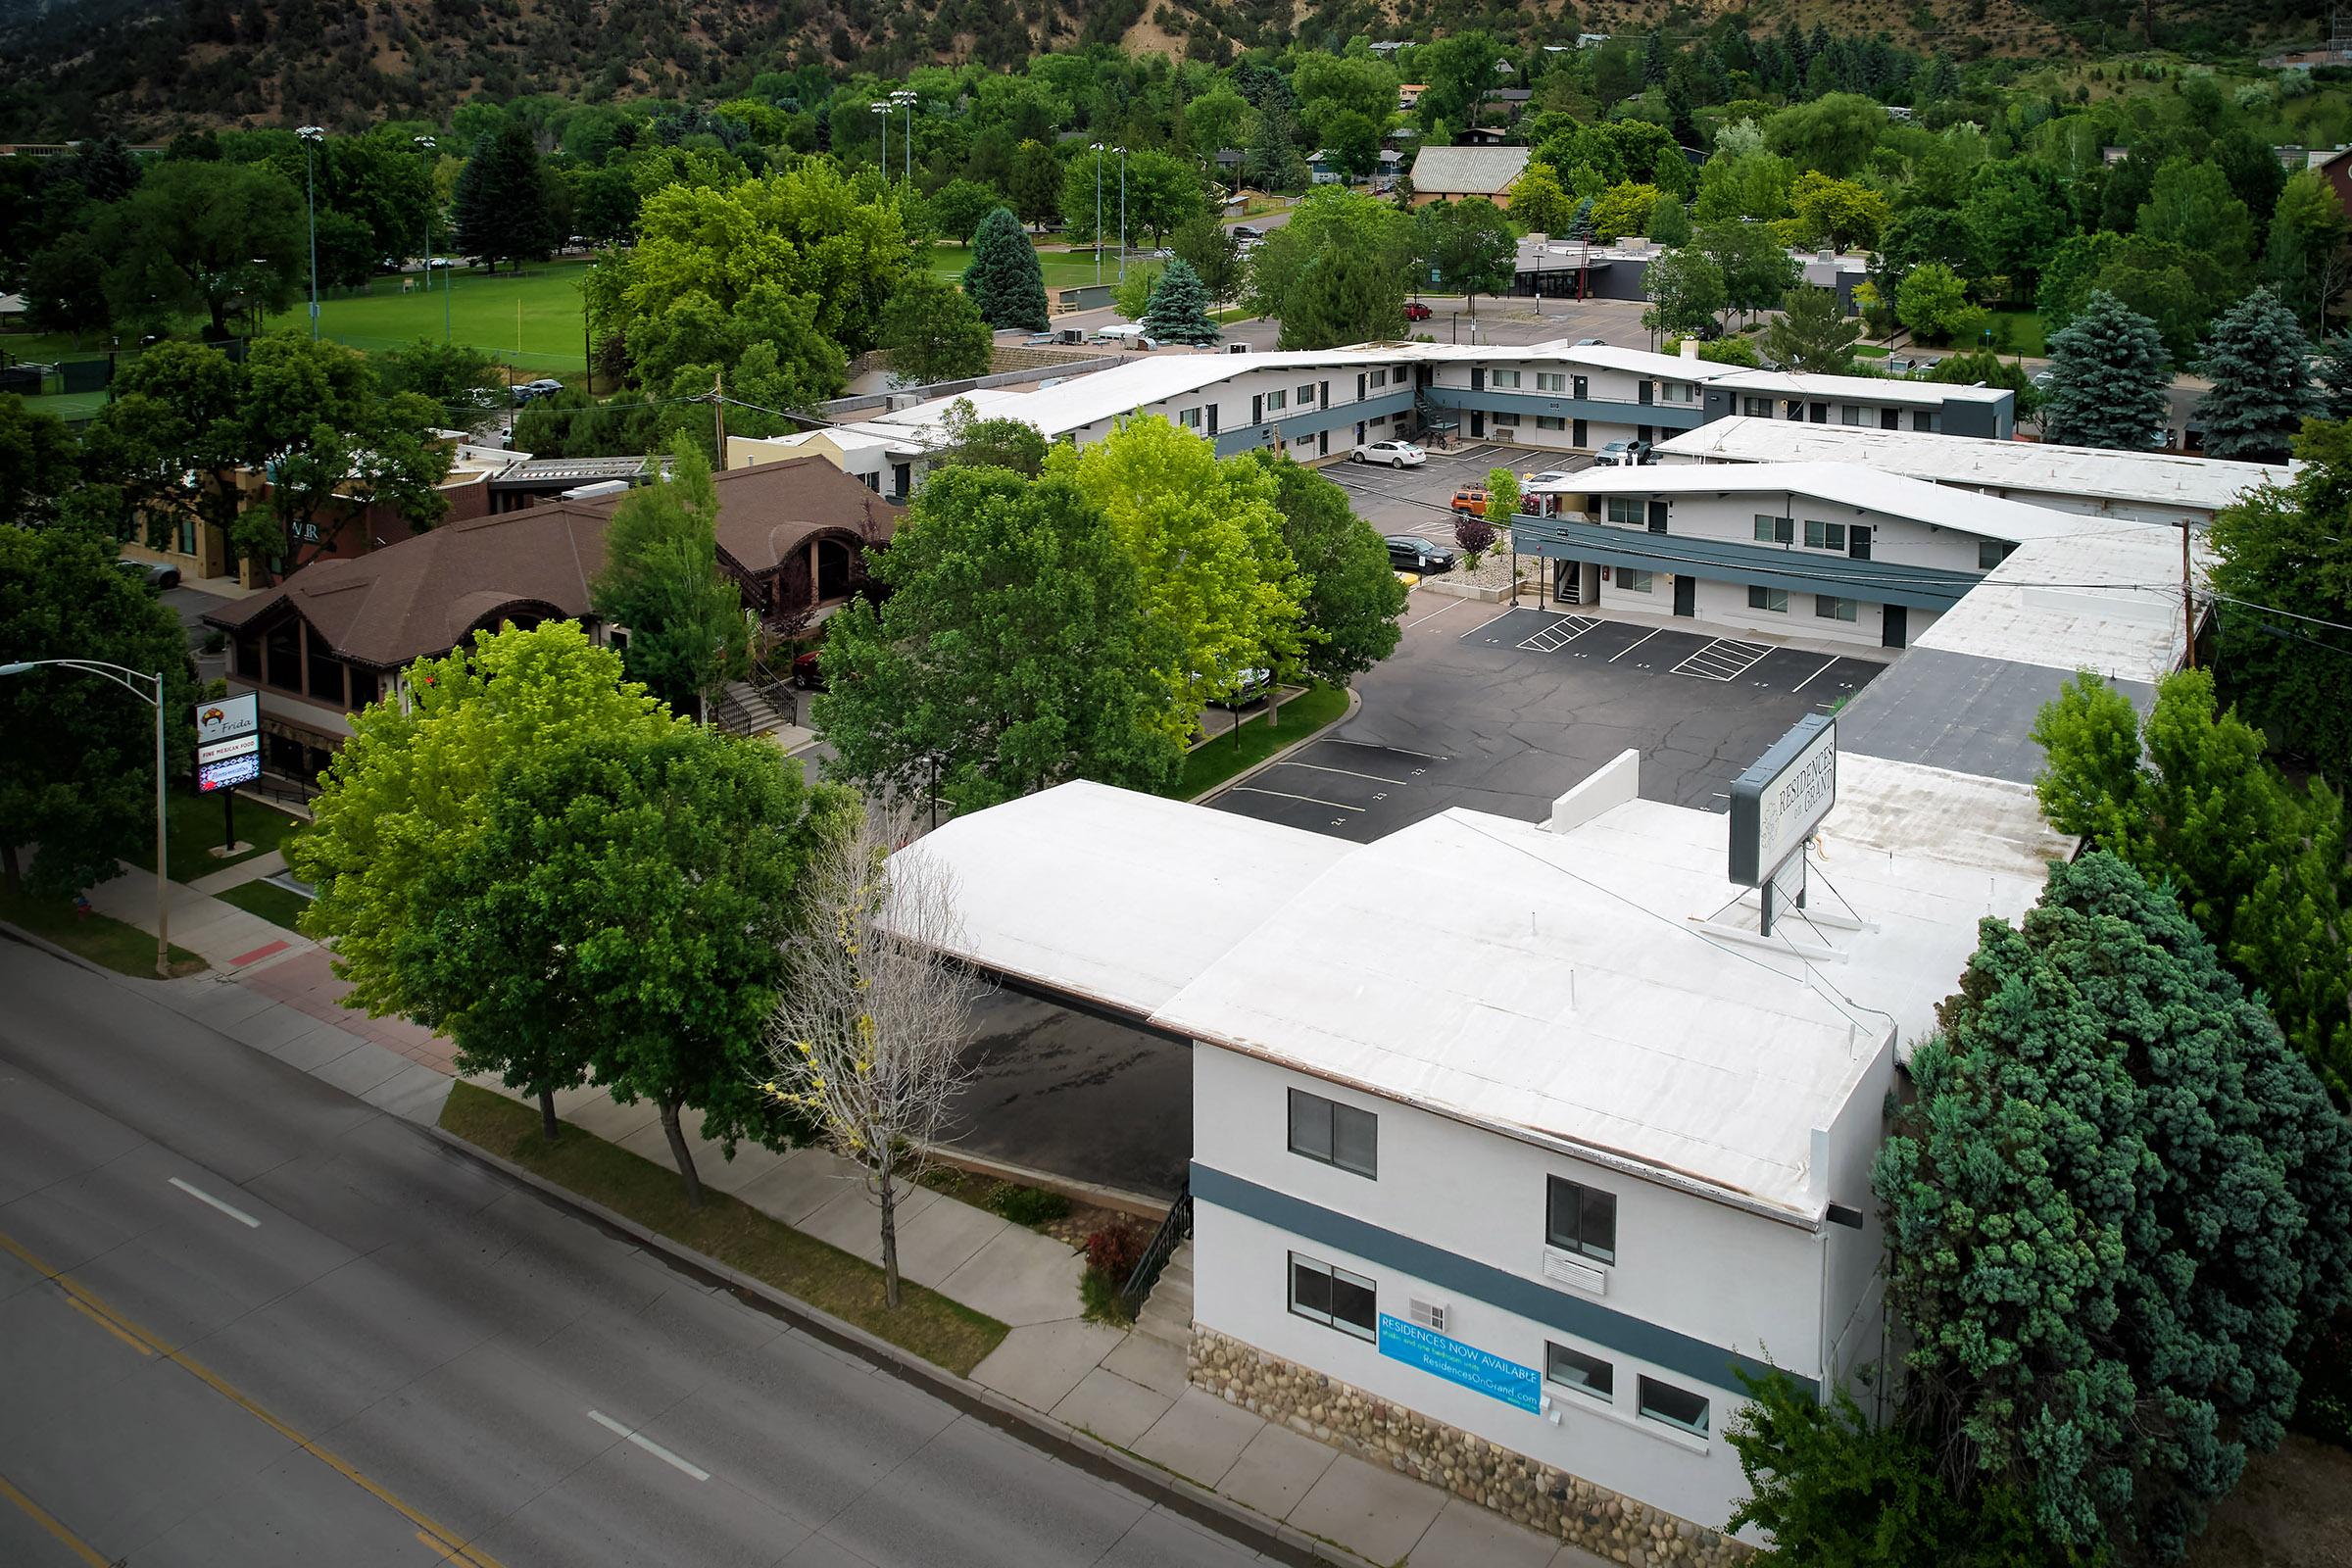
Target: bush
(1027, 1206)
(1116, 1249)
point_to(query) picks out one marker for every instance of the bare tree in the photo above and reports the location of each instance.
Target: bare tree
(867, 1040)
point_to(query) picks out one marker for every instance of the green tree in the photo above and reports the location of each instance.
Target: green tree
(1753, 185)
(2304, 256)
(1207, 246)
(957, 208)
(1013, 652)
(201, 239)
(1932, 302)
(1341, 296)
(2284, 577)
(661, 580)
(1502, 497)
(1210, 563)
(934, 332)
(2115, 1211)
(1622, 209)
(2108, 380)
(1984, 367)
(1353, 596)
(1005, 279)
(967, 440)
(1812, 334)
(1837, 213)
(1273, 163)
(2257, 863)
(1757, 273)
(1131, 296)
(502, 205)
(2191, 206)
(2258, 360)
(1456, 71)
(1469, 247)
(1686, 292)
(1834, 133)
(1336, 273)
(77, 776)
(1179, 309)
(2016, 214)
(40, 461)
(453, 376)
(171, 443)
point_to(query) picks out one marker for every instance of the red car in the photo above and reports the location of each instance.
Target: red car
(1416, 310)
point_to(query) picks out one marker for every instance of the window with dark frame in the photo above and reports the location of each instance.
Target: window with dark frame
(1334, 1298)
(1574, 1369)
(1581, 1219)
(1331, 1134)
(1669, 1405)
(282, 646)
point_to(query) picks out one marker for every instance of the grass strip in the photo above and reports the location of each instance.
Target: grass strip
(198, 826)
(940, 1331)
(1221, 756)
(278, 905)
(101, 938)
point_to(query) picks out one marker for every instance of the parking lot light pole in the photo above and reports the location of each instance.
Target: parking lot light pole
(311, 137)
(881, 113)
(904, 97)
(1122, 152)
(122, 675)
(1097, 149)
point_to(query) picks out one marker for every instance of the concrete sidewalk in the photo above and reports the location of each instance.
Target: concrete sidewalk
(221, 934)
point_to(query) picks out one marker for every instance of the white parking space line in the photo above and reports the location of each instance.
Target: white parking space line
(1636, 642)
(1726, 659)
(1553, 638)
(648, 1445)
(1448, 610)
(203, 1197)
(1375, 746)
(1808, 680)
(1285, 795)
(1343, 772)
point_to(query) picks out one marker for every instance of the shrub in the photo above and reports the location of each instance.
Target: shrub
(1028, 1205)
(1116, 1249)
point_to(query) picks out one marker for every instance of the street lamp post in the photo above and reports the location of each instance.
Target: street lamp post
(122, 675)
(1122, 152)
(1097, 149)
(311, 137)
(905, 96)
(882, 112)
(587, 332)
(426, 144)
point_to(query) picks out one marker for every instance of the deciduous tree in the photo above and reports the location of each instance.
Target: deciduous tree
(1352, 597)
(1468, 246)
(934, 332)
(201, 239)
(688, 635)
(1686, 292)
(1932, 302)
(2304, 256)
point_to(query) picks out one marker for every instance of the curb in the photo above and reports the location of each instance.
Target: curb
(1354, 701)
(44, 945)
(1040, 1431)
(1142, 1206)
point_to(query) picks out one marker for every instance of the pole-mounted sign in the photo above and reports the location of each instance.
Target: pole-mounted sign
(228, 742)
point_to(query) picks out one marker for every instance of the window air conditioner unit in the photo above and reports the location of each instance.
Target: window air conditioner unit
(1429, 1315)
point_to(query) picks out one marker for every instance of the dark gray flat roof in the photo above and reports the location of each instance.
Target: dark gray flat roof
(1959, 711)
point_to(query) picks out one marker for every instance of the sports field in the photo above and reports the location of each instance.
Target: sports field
(531, 320)
(1062, 271)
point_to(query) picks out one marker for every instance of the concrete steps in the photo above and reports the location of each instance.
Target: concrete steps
(1167, 1314)
(745, 710)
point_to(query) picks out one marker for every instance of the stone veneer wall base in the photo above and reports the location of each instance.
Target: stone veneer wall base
(1380, 1431)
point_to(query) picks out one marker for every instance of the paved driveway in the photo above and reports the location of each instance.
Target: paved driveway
(1504, 709)
(1418, 500)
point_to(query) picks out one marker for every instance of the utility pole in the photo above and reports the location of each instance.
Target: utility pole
(718, 411)
(1097, 149)
(2188, 602)
(1122, 152)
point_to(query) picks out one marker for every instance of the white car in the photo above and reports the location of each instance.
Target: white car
(1395, 454)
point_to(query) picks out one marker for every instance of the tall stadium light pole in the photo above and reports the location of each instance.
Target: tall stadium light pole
(882, 112)
(1122, 152)
(311, 137)
(905, 96)
(425, 145)
(122, 675)
(1097, 149)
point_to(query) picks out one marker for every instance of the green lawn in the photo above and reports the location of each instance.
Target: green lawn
(1221, 756)
(2019, 332)
(1061, 271)
(280, 907)
(483, 311)
(101, 938)
(197, 829)
(1869, 351)
(938, 1330)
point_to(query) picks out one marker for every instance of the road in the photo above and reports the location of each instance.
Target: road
(246, 1319)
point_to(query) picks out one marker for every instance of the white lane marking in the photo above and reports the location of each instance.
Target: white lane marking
(1630, 647)
(1434, 613)
(202, 1196)
(1808, 680)
(1725, 660)
(1249, 789)
(1375, 746)
(1559, 634)
(1347, 771)
(648, 1445)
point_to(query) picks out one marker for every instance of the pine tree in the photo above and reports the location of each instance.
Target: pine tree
(2108, 380)
(2262, 393)
(501, 200)
(1005, 279)
(1274, 163)
(1812, 334)
(2333, 371)
(1179, 307)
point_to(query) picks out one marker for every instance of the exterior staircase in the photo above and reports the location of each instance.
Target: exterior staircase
(743, 709)
(1168, 1316)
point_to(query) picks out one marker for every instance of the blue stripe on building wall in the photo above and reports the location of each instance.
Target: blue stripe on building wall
(1813, 571)
(1309, 421)
(1582, 1318)
(1524, 407)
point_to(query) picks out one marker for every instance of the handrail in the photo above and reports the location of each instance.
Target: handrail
(1163, 1243)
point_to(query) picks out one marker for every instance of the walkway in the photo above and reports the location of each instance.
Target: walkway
(273, 989)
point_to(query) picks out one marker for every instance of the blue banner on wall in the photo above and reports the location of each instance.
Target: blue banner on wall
(1480, 1371)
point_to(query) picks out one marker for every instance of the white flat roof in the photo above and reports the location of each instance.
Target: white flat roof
(1112, 895)
(2107, 599)
(1556, 987)
(1871, 489)
(1861, 388)
(2158, 477)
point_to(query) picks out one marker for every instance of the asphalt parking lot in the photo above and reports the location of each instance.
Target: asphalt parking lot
(1504, 709)
(1419, 499)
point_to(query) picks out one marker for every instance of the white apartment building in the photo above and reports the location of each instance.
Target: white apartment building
(1865, 402)
(1832, 550)
(2160, 487)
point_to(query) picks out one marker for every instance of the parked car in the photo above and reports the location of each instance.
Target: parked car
(1416, 310)
(2042, 380)
(1410, 552)
(1470, 498)
(532, 391)
(155, 575)
(1591, 343)
(1395, 454)
(1247, 232)
(1923, 366)
(1253, 687)
(807, 672)
(1622, 455)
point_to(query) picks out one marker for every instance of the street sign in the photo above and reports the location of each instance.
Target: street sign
(228, 742)
(1778, 802)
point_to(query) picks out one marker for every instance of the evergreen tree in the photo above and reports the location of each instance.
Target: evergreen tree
(2108, 380)
(1179, 307)
(1341, 296)
(1208, 248)
(1005, 279)
(2117, 1211)
(2256, 358)
(1273, 163)
(1812, 335)
(2332, 370)
(501, 201)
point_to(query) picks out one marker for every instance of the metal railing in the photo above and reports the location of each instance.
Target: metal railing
(1163, 1243)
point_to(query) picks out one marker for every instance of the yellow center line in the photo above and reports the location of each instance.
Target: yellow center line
(451, 1544)
(49, 1522)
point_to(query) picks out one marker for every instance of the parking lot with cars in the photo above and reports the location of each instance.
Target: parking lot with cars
(1419, 499)
(1504, 709)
